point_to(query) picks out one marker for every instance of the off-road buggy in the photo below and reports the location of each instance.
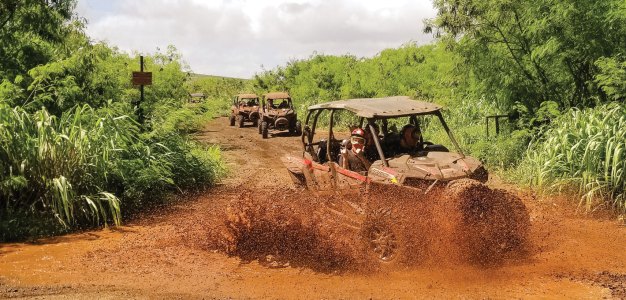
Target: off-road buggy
(402, 189)
(278, 113)
(245, 108)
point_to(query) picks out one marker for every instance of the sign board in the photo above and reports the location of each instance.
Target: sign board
(142, 78)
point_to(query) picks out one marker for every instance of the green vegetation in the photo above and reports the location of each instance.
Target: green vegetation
(220, 91)
(73, 153)
(530, 53)
(584, 150)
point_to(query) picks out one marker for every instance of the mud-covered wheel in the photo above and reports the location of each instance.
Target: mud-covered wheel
(232, 120)
(255, 123)
(382, 238)
(298, 128)
(260, 127)
(264, 129)
(292, 128)
(240, 121)
(382, 242)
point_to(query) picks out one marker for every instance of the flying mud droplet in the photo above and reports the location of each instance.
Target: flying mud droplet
(381, 229)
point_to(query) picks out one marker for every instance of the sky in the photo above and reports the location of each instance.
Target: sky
(238, 38)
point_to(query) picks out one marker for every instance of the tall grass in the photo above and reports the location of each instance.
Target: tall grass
(61, 163)
(86, 166)
(584, 152)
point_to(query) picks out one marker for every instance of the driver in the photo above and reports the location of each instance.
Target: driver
(354, 158)
(410, 139)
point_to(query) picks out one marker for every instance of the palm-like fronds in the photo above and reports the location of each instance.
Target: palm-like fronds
(61, 163)
(85, 166)
(585, 151)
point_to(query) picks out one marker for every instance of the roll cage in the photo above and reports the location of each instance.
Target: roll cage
(269, 98)
(245, 100)
(315, 111)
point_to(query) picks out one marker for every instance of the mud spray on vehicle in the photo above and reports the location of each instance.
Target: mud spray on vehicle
(423, 206)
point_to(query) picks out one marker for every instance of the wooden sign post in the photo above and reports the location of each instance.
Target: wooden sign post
(141, 79)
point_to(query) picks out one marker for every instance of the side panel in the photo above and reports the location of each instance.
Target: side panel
(349, 180)
(314, 176)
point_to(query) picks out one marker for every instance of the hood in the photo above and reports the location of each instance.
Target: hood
(280, 112)
(443, 166)
(250, 108)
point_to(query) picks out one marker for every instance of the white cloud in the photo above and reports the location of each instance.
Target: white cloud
(235, 37)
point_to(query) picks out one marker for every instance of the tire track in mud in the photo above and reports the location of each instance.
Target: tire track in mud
(254, 162)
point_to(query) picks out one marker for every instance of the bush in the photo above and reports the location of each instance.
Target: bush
(61, 165)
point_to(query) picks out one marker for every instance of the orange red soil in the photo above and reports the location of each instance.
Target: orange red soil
(180, 251)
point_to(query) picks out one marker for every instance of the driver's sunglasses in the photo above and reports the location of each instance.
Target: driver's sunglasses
(357, 140)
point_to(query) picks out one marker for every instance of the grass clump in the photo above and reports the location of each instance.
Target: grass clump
(584, 152)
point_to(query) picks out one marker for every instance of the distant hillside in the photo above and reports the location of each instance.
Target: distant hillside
(198, 76)
(218, 87)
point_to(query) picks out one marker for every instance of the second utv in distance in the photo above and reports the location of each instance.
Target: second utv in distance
(277, 112)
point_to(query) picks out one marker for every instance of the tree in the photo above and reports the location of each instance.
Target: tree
(28, 31)
(532, 52)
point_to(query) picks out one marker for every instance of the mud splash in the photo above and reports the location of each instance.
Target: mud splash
(285, 227)
(493, 224)
(386, 228)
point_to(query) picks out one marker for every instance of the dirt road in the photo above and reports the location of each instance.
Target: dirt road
(173, 252)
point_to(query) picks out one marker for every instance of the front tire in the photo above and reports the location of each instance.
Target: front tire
(298, 128)
(240, 120)
(232, 120)
(382, 240)
(264, 129)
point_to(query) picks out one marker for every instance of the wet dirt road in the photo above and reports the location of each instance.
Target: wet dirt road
(174, 252)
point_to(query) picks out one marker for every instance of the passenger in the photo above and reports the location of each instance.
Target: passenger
(284, 104)
(408, 142)
(354, 158)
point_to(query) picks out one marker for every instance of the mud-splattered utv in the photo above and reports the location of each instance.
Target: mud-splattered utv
(278, 113)
(245, 108)
(398, 183)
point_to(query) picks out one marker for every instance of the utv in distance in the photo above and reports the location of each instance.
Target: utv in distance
(277, 113)
(245, 108)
